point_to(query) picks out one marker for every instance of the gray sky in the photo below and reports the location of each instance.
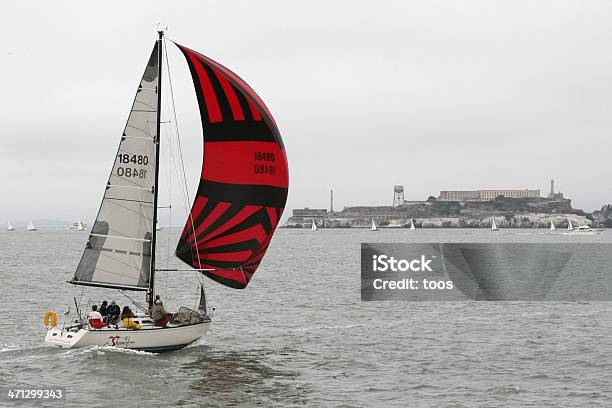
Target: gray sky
(430, 94)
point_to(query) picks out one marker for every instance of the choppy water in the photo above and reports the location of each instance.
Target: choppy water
(299, 335)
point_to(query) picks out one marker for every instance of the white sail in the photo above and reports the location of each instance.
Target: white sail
(570, 227)
(157, 227)
(31, 226)
(494, 226)
(552, 225)
(79, 226)
(374, 226)
(412, 228)
(118, 251)
(9, 227)
(313, 227)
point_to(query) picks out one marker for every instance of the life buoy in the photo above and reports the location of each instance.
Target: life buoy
(50, 316)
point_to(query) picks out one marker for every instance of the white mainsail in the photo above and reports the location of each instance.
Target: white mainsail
(79, 226)
(494, 226)
(570, 227)
(118, 251)
(374, 226)
(313, 227)
(157, 227)
(412, 228)
(552, 225)
(9, 227)
(31, 226)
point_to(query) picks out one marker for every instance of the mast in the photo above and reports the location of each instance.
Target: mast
(150, 292)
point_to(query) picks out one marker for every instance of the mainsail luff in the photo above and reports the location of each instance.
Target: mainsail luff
(244, 182)
(119, 248)
(150, 292)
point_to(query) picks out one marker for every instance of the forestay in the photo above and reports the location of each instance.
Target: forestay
(118, 251)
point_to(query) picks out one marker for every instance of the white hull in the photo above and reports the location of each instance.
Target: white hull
(147, 338)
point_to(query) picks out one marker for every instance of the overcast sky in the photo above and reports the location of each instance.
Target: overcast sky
(429, 94)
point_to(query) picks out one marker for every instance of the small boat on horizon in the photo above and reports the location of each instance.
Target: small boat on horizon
(374, 226)
(570, 227)
(494, 226)
(313, 226)
(552, 225)
(412, 228)
(9, 227)
(31, 226)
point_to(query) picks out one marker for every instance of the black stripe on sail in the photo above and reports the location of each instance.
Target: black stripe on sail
(258, 218)
(248, 115)
(248, 245)
(235, 131)
(223, 218)
(198, 89)
(243, 194)
(224, 106)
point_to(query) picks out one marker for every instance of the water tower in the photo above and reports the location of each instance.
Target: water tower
(398, 195)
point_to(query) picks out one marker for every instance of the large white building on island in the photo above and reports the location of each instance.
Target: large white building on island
(486, 195)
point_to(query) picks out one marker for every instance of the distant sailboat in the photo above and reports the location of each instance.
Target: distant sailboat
(157, 227)
(80, 226)
(570, 227)
(374, 226)
(313, 227)
(9, 227)
(31, 226)
(494, 226)
(412, 228)
(552, 225)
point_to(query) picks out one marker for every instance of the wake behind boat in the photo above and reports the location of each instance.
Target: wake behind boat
(227, 231)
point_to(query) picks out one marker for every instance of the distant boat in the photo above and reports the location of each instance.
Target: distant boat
(570, 227)
(157, 227)
(9, 227)
(412, 228)
(552, 225)
(374, 226)
(494, 226)
(313, 226)
(80, 226)
(31, 226)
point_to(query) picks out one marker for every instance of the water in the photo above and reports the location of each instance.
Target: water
(299, 335)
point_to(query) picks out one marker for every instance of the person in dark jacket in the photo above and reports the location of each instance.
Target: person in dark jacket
(104, 310)
(113, 312)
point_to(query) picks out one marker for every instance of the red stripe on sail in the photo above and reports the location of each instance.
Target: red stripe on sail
(195, 211)
(219, 209)
(212, 104)
(239, 82)
(238, 256)
(254, 163)
(254, 111)
(231, 96)
(242, 215)
(255, 232)
(272, 216)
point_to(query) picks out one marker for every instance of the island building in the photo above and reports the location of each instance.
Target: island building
(307, 214)
(486, 195)
(398, 195)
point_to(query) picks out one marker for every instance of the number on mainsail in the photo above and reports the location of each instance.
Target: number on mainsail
(118, 251)
(244, 181)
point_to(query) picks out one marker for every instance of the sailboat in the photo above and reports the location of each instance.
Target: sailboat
(9, 227)
(374, 226)
(552, 225)
(157, 227)
(570, 227)
(31, 226)
(494, 226)
(313, 227)
(80, 226)
(240, 199)
(412, 228)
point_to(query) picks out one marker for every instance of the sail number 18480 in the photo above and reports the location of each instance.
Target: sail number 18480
(139, 159)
